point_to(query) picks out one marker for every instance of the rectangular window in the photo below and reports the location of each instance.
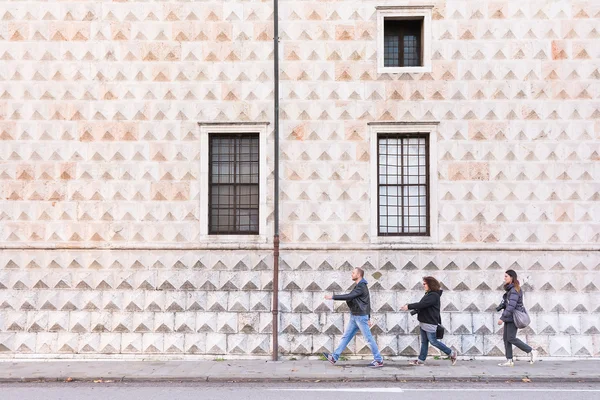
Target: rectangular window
(402, 42)
(403, 184)
(233, 183)
(404, 38)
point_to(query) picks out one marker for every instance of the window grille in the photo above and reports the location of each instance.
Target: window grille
(403, 184)
(233, 183)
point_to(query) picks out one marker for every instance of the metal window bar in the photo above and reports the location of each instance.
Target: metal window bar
(403, 199)
(402, 42)
(233, 184)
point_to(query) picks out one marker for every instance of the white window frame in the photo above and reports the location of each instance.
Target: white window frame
(408, 12)
(430, 128)
(205, 130)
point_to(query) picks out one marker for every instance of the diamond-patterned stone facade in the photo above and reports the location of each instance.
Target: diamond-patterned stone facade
(55, 307)
(100, 169)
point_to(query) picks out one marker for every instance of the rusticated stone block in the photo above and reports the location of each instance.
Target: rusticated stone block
(174, 343)
(46, 342)
(195, 343)
(7, 342)
(216, 343)
(154, 342)
(131, 343)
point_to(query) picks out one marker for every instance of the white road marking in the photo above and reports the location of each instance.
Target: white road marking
(365, 390)
(512, 389)
(437, 389)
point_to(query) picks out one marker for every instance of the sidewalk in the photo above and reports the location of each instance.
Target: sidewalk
(294, 371)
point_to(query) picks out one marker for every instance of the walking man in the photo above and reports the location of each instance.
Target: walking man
(359, 304)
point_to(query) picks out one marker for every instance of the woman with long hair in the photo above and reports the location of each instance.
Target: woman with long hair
(512, 300)
(429, 317)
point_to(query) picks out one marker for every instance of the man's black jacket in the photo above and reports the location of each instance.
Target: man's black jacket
(429, 308)
(358, 299)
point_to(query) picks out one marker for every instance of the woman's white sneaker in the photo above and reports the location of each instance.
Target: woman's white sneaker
(531, 356)
(508, 363)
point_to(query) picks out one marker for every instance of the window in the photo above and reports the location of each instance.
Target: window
(232, 186)
(402, 43)
(404, 39)
(234, 183)
(403, 182)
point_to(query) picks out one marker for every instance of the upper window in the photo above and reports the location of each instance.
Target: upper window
(234, 183)
(403, 184)
(404, 39)
(402, 42)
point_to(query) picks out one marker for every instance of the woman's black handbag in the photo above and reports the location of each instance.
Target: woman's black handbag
(439, 332)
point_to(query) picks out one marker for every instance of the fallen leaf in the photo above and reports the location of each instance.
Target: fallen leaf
(98, 381)
(69, 379)
(318, 380)
(527, 380)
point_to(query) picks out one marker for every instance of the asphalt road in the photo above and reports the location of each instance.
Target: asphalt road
(296, 391)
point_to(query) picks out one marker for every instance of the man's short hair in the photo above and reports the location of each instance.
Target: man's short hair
(360, 271)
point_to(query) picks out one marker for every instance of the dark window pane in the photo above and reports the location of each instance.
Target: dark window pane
(411, 51)
(233, 186)
(222, 196)
(392, 51)
(403, 184)
(402, 42)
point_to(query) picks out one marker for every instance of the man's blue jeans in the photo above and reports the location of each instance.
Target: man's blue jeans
(358, 322)
(429, 337)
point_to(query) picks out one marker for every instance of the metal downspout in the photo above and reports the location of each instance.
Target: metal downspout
(275, 305)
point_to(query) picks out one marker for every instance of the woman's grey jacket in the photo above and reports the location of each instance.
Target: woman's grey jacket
(513, 301)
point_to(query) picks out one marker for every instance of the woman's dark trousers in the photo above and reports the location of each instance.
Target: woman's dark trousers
(510, 339)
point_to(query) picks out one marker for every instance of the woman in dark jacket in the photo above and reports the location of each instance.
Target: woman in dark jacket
(512, 300)
(429, 317)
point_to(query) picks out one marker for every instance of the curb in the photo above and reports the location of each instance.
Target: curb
(290, 379)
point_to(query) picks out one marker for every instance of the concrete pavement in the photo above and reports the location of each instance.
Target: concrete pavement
(550, 370)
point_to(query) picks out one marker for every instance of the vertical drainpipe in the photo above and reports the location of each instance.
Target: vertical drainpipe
(275, 305)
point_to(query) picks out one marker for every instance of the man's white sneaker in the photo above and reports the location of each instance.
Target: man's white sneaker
(508, 363)
(531, 356)
(453, 357)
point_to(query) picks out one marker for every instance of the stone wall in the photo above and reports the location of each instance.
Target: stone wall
(561, 293)
(102, 252)
(218, 302)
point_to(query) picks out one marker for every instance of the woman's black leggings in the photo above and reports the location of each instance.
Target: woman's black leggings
(510, 338)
